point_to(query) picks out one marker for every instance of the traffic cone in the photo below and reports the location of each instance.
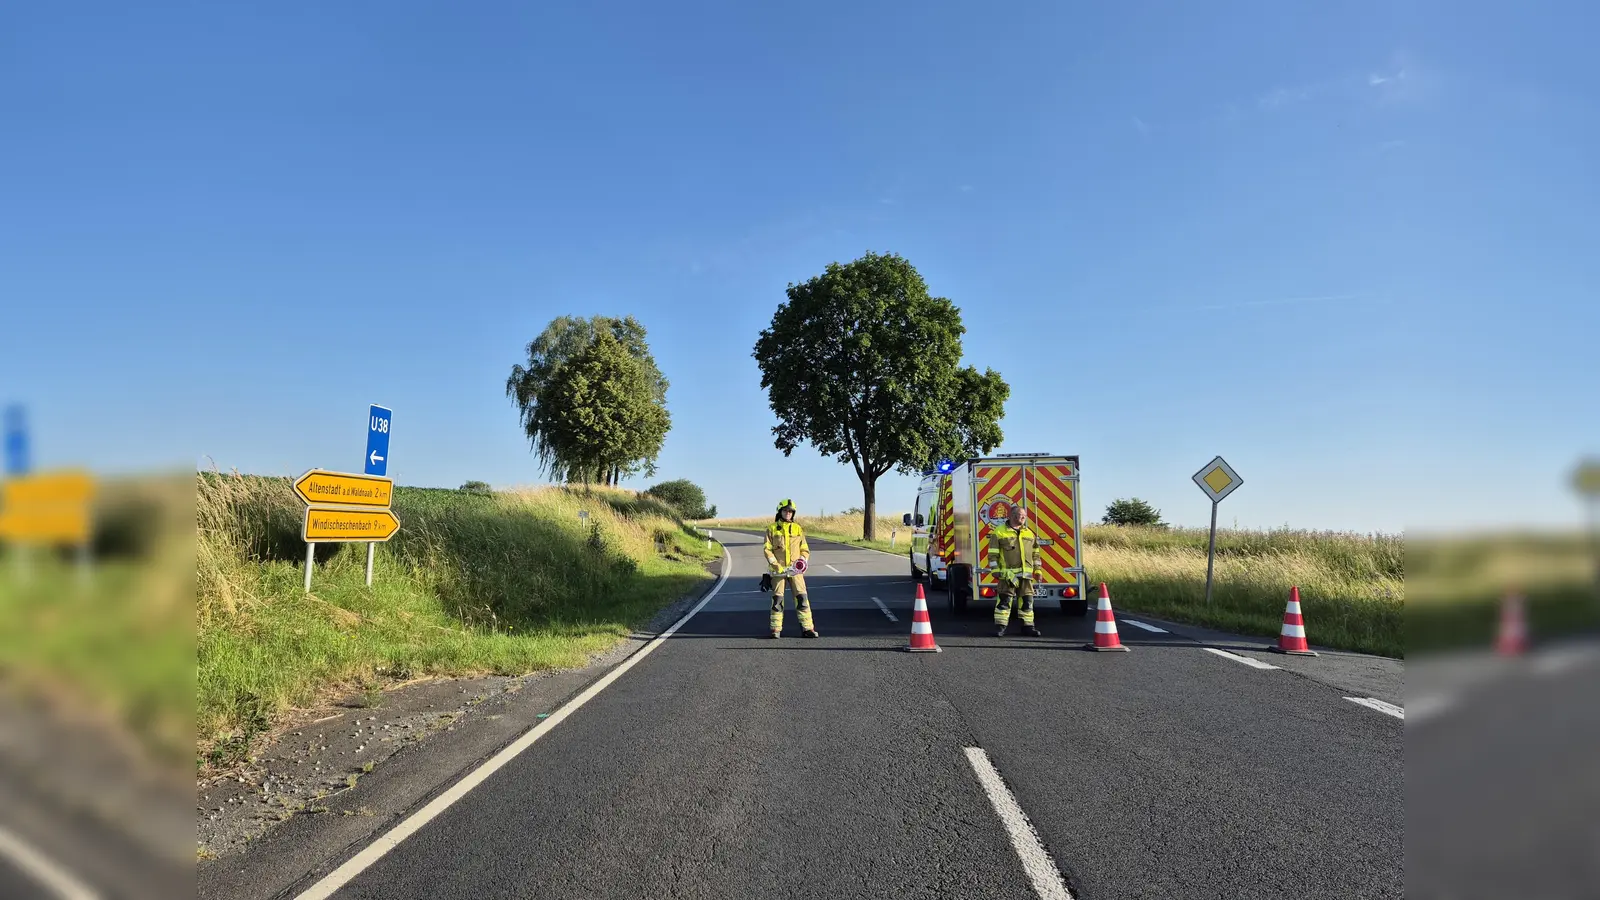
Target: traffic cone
(1513, 637)
(922, 627)
(1105, 625)
(1292, 637)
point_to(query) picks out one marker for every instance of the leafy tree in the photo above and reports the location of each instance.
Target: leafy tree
(563, 339)
(599, 414)
(686, 497)
(476, 487)
(864, 364)
(1132, 512)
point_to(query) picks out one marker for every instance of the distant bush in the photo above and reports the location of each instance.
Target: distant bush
(686, 497)
(476, 487)
(1132, 512)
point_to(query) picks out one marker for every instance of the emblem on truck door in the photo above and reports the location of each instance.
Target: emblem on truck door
(995, 512)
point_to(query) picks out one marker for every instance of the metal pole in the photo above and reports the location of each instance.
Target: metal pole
(310, 549)
(1211, 554)
(370, 548)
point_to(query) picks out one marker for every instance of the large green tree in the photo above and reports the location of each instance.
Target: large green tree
(865, 365)
(600, 414)
(564, 338)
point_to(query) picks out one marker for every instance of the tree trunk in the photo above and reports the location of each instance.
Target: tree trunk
(869, 506)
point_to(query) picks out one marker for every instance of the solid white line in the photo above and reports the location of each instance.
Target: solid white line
(341, 876)
(42, 870)
(835, 571)
(885, 609)
(1036, 862)
(1385, 708)
(1144, 626)
(1253, 663)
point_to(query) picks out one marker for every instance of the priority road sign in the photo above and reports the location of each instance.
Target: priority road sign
(318, 487)
(1217, 479)
(377, 458)
(348, 525)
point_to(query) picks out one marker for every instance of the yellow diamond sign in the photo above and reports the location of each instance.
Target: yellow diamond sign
(1217, 479)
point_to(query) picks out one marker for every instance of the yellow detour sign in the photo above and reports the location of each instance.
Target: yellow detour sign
(348, 525)
(318, 487)
(1587, 478)
(47, 507)
(1217, 479)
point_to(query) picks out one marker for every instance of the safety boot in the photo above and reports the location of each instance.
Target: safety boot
(1030, 631)
(775, 634)
(1000, 631)
(809, 633)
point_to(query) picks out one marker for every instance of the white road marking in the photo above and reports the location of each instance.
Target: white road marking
(835, 571)
(1252, 663)
(885, 609)
(1137, 624)
(819, 587)
(374, 851)
(1385, 708)
(1428, 706)
(1554, 662)
(1036, 861)
(42, 870)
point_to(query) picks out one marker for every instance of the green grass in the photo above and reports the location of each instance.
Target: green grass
(472, 584)
(114, 641)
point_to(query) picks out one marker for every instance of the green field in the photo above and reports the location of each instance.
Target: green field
(505, 583)
(1352, 586)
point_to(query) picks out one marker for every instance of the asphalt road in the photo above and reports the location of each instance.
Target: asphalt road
(726, 764)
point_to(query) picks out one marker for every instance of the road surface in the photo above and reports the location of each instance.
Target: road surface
(725, 764)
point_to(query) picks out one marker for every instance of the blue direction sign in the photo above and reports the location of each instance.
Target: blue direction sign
(16, 442)
(377, 461)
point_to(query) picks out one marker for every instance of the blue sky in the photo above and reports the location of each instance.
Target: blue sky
(1349, 247)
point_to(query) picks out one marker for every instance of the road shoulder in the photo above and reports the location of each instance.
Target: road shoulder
(345, 774)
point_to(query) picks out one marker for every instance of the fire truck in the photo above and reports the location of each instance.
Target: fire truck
(960, 503)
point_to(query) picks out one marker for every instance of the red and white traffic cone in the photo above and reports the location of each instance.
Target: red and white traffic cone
(1513, 637)
(1105, 625)
(922, 627)
(1292, 637)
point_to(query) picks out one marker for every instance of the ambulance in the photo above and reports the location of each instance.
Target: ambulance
(960, 503)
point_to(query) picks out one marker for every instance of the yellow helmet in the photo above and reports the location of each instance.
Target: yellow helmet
(783, 505)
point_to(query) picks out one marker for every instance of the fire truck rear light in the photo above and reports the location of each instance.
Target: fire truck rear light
(1069, 592)
(987, 592)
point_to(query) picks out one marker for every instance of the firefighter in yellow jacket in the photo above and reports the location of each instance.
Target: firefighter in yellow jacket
(786, 544)
(1014, 560)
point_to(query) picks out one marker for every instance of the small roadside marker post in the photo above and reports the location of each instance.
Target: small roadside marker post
(1218, 480)
(1586, 481)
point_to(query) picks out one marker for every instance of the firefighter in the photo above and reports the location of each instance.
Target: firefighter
(1014, 559)
(785, 544)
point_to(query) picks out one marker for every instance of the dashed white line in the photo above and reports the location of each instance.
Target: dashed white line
(1554, 662)
(835, 571)
(885, 609)
(338, 878)
(1138, 624)
(42, 870)
(1428, 706)
(1252, 663)
(1388, 709)
(1036, 862)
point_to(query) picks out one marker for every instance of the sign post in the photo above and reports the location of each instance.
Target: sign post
(1218, 480)
(1586, 481)
(343, 507)
(377, 459)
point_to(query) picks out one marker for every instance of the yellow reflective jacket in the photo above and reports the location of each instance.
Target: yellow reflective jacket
(786, 542)
(1014, 550)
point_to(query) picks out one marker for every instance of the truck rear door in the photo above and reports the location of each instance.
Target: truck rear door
(1050, 494)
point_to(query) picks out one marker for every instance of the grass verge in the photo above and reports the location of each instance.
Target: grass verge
(1352, 586)
(505, 583)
